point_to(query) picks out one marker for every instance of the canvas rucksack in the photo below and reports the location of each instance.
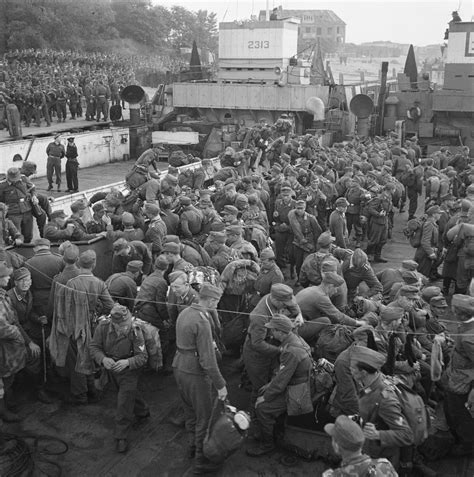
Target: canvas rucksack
(332, 341)
(414, 231)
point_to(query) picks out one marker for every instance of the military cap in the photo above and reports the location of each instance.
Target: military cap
(280, 323)
(267, 254)
(151, 208)
(410, 277)
(283, 293)
(171, 247)
(171, 238)
(57, 214)
(359, 258)
(463, 303)
(161, 263)
(329, 264)
(204, 193)
(13, 174)
(205, 201)
(5, 271)
(342, 202)
(361, 354)
(120, 244)
(41, 242)
(362, 330)
(70, 253)
(429, 292)
(234, 230)
(241, 199)
(21, 273)
(230, 209)
(286, 190)
(246, 179)
(409, 291)
(325, 239)
(439, 302)
(346, 433)
(210, 291)
(391, 313)
(470, 189)
(98, 207)
(217, 236)
(403, 151)
(171, 179)
(318, 170)
(172, 277)
(119, 313)
(434, 209)
(135, 266)
(87, 259)
(333, 278)
(410, 265)
(348, 169)
(78, 205)
(128, 218)
(185, 200)
(300, 203)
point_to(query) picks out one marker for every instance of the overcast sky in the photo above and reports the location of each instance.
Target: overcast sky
(420, 22)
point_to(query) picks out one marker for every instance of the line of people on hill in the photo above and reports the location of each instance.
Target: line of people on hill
(206, 258)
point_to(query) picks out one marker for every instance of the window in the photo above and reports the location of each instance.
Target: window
(308, 18)
(318, 31)
(338, 30)
(308, 29)
(330, 31)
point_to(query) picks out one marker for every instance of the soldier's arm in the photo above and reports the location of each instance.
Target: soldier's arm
(257, 334)
(185, 228)
(426, 239)
(399, 433)
(140, 354)
(105, 300)
(372, 281)
(336, 316)
(345, 392)
(13, 231)
(207, 354)
(295, 226)
(54, 235)
(96, 346)
(288, 364)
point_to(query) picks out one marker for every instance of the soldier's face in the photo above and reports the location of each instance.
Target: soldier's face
(212, 303)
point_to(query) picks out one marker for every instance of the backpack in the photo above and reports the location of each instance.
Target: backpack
(380, 468)
(151, 335)
(414, 231)
(136, 177)
(408, 178)
(203, 274)
(468, 246)
(332, 341)
(413, 408)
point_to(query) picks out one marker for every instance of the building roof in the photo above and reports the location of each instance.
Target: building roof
(325, 16)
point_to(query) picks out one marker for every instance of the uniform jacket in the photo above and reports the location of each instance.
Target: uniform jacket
(56, 234)
(8, 232)
(155, 233)
(196, 350)
(176, 304)
(305, 229)
(360, 466)
(80, 231)
(429, 238)
(150, 304)
(354, 276)
(314, 303)
(295, 364)
(190, 221)
(129, 233)
(338, 228)
(344, 399)
(266, 278)
(107, 343)
(310, 273)
(17, 196)
(138, 251)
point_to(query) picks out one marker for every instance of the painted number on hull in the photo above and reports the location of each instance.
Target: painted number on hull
(258, 44)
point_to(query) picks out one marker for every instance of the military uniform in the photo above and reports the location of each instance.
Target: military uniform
(55, 234)
(264, 281)
(427, 253)
(150, 303)
(378, 210)
(155, 234)
(190, 222)
(283, 232)
(362, 465)
(356, 198)
(354, 276)
(102, 95)
(138, 251)
(196, 370)
(338, 228)
(108, 343)
(129, 233)
(55, 153)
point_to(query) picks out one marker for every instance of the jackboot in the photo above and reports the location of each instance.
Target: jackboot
(7, 415)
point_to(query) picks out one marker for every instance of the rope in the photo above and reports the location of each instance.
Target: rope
(17, 456)
(228, 311)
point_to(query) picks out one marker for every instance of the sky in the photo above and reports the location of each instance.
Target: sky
(420, 22)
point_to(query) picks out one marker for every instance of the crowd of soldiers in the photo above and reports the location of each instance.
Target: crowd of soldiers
(206, 256)
(48, 85)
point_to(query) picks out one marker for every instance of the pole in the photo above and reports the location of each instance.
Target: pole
(44, 353)
(381, 98)
(267, 11)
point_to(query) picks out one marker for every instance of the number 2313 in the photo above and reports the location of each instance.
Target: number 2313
(258, 44)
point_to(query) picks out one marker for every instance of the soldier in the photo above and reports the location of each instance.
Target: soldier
(377, 212)
(236, 242)
(385, 428)
(18, 194)
(459, 397)
(259, 354)
(61, 103)
(90, 101)
(129, 232)
(97, 224)
(190, 218)
(338, 223)
(79, 233)
(221, 255)
(356, 197)
(289, 390)
(196, 371)
(123, 286)
(55, 152)
(428, 252)
(306, 231)
(56, 229)
(156, 228)
(347, 441)
(281, 225)
(269, 274)
(72, 165)
(170, 219)
(40, 108)
(125, 252)
(119, 346)
(102, 95)
(9, 234)
(172, 252)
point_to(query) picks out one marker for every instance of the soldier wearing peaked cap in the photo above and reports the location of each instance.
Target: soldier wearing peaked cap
(283, 233)
(118, 346)
(78, 209)
(196, 371)
(385, 428)
(459, 397)
(269, 274)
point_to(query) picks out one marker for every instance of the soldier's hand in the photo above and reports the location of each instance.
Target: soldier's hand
(18, 241)
(259, 401)
(222, 393)
(106, 219)
(299, 320)
(108, 363)
(35, 349)
(120, 365)
(370, 432)
(416, 366)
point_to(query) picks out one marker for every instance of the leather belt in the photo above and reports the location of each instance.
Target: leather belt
(188, 351)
